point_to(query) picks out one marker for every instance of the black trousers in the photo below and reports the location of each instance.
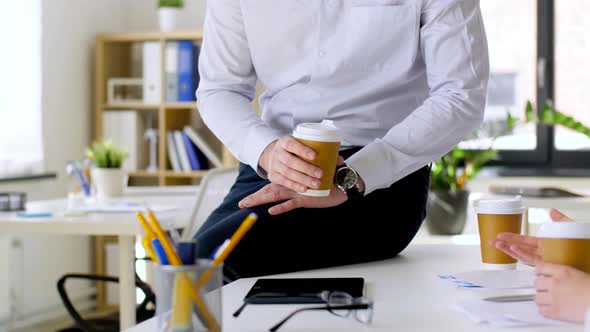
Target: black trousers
(378, 226)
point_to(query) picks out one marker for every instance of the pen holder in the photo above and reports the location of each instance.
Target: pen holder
(177, 309)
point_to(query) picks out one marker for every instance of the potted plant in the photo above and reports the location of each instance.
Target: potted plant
(107, 176)
(448, 198)
(167, 13)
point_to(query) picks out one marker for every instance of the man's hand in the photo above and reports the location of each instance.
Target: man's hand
(282, 160)
(524, 248)
(562, 292)
(272, 193)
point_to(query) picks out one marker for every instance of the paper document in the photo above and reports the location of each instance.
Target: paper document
(121, 207)
(510, 279)
(506, 314)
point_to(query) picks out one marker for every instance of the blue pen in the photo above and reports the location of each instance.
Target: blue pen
(186, 252)
(159, 251)
(34, 214)
(81, 177)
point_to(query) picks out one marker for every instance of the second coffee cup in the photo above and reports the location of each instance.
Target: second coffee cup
(496, 216)
(324, 139)
(566, 243)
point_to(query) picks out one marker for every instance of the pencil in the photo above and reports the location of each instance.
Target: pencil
(233, 242)
(175, 261)
(147, 240)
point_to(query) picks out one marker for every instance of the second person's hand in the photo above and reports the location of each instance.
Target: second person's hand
(524, 248)
(283, 161)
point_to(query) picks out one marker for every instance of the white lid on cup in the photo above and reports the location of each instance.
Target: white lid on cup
(324, 131)
(500, 206)
(565, 230)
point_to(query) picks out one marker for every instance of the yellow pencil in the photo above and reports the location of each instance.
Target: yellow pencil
(175, 261)
(233, 242)
(146, 241)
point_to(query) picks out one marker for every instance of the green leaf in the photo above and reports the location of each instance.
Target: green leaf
(530, 115)
(511, 121)
(171, 3)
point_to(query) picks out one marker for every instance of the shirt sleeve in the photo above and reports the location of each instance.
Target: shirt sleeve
(454, 47)
(228, 84)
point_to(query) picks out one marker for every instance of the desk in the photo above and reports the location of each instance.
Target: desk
(124, 226)
(408, 297)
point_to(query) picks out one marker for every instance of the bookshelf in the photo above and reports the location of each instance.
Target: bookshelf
(114, 60)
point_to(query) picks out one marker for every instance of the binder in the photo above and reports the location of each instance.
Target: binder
(202, 145)
(152, 65)
(182, 153)
(196, 76)
(186, 67)
(172, 152)
(171, 70)
(126, 129)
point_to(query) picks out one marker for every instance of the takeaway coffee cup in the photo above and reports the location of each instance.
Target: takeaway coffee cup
(566, 243)
(498, 216)
(324, 139)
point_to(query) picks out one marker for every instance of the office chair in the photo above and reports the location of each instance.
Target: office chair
(213, 188)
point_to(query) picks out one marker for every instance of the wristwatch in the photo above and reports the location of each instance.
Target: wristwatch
(347, 180)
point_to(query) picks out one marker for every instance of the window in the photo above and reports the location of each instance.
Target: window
(572, 70)
(21, 150)
(538, 52)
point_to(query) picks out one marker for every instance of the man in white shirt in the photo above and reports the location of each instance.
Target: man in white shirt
(404, 81)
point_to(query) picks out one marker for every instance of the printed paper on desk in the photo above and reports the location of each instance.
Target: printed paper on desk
(506, 314)
(510, 279)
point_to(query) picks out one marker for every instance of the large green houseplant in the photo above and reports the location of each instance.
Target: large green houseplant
(448, 197)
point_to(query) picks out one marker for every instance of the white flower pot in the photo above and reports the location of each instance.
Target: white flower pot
(167, 17)
(108, 182)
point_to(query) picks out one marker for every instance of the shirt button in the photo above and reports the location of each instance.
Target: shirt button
(321, 54)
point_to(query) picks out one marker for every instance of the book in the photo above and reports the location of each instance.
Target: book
(186, 66)
(191, 151)
(172, 152)
(126, 129)
(182, 153)
(171, 71)
(152, 64)
(196, 76)
(203, 146)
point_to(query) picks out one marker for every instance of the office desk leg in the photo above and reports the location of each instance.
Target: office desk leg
(127, 281)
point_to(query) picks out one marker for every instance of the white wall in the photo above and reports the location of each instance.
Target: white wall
(141, 15)
(69, 28)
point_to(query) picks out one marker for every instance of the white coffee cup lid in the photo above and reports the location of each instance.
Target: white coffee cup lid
(500, 206)
(324, 131)
(565, 230)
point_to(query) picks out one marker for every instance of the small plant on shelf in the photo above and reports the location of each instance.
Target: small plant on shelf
(170, 3)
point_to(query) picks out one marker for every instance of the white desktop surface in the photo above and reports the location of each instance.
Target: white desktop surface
(407, 293)
(123, 225)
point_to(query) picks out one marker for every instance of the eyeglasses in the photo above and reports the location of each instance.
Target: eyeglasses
(340, 304)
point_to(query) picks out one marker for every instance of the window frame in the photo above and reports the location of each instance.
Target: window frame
(545, 155)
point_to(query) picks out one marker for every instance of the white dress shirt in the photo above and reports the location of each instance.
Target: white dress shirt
(406, 79)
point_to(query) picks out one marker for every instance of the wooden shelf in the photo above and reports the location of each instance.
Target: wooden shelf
(126, 106)
(144, 174)
(181, 105)
(149, 36)
(184, 175)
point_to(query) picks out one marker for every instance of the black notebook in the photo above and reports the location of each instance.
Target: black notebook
(301, 290)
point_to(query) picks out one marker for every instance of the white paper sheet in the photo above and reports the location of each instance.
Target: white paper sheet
(121, 207)
(510, 279)
(505, 314)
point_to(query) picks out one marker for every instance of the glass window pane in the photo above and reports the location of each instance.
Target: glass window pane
(512, 40)
(572, 70)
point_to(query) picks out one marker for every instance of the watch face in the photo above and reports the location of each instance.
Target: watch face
(347, 178)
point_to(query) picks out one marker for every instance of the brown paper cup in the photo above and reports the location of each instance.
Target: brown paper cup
(494, 217)
(324, 139)
(566, 243)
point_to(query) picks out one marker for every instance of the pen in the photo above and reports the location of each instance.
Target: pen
(511, 298)
(81, 177)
